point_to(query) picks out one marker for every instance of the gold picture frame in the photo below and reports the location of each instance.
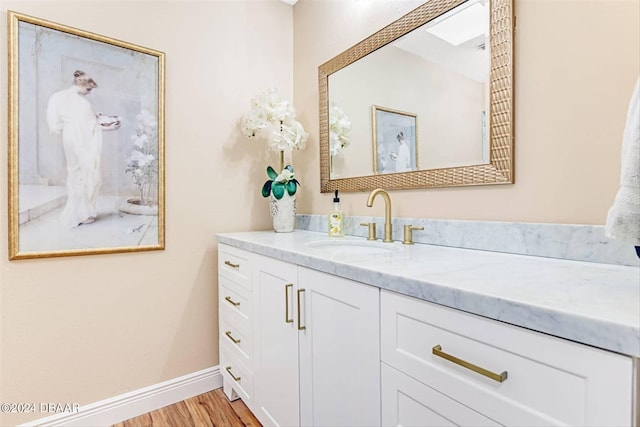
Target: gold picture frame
(395, 137)
(86, 142)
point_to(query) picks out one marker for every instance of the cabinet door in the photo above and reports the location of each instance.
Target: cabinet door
(408, 402)
(339, 351)
(545, 380)
(276, 342)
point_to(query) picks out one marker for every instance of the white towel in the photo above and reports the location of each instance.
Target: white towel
(623, 219)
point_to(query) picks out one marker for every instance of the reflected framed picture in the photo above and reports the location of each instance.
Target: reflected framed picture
(86, 142)
(395, 136)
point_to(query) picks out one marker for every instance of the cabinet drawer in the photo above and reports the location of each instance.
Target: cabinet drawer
(236, 373)
(238, 340)
(408, 402)
(235, 265)
(235, 304)
(549, 381)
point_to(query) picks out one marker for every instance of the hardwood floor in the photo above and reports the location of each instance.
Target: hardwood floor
(209, 409)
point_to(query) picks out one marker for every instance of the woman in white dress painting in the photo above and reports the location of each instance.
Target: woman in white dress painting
(69, 113)
(402, 156)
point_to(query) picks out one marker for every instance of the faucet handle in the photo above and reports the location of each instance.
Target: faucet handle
(408, 234)
(372, 230)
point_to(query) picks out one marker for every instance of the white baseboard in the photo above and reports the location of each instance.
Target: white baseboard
(125, 406)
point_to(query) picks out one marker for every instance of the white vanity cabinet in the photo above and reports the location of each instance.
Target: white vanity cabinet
(303, 347)
(545, 380)
(236, 322)
(315, 358)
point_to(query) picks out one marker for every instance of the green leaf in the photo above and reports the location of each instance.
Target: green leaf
(266, 188)
(291, 187)
(271, 173)
(296, 181)
(278, 190)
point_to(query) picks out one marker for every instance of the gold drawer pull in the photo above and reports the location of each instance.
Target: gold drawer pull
(286, 303)
(232, 302)
(232, 265)
(437, 350)
(300, 327)
(236, 379)
(235, 341)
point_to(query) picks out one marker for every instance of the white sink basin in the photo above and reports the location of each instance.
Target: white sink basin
(352, 247)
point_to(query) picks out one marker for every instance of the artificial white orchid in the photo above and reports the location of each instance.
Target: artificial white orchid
(269, 110)
(285, 176)
(291, 135)
(339, 130)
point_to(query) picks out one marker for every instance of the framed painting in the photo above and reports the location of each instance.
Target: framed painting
(86, 142)
(394, 141)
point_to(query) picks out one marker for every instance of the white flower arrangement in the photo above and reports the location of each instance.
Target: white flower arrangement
(143, 161)
(269, 110)
(339, 130)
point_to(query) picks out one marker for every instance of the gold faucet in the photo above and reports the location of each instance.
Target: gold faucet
(387, 211)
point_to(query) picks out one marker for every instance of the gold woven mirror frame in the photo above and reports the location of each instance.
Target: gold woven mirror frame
(500, 168)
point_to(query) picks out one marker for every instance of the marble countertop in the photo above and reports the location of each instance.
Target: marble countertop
(591, 303)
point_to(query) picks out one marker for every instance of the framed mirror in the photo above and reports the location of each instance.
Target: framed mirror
(425, 102)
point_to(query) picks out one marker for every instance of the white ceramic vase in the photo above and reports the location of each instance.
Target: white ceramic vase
(283, 213)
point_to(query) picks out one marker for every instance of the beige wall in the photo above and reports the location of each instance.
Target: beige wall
(87, 328)
(576, 63)
(84, 329)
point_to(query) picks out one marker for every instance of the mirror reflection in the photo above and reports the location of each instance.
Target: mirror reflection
(420, 102)
(453, 111)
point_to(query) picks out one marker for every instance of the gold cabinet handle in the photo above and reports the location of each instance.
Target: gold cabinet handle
(232, 302)
(286, 303)
(232, 265)
(236, 379)
(300, 327)
(235, 341)
(437, 350)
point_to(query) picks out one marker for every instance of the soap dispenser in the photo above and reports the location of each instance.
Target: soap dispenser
(336, 218)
